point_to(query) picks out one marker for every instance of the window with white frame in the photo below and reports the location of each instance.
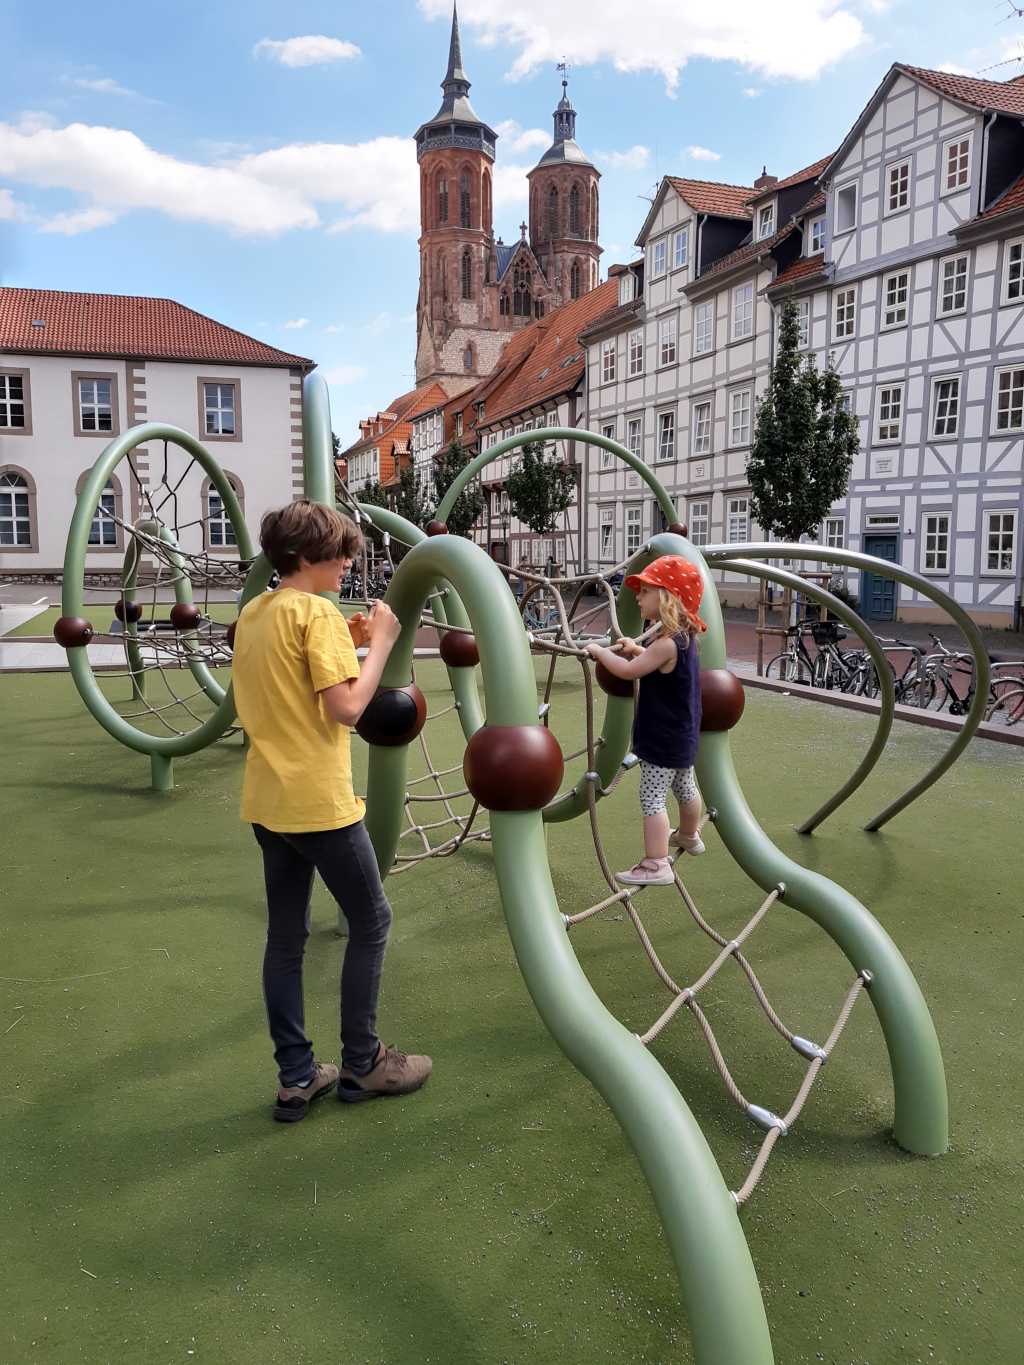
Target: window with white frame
(700, 522)
(634, 434)
(1000, 538)
(666, 436)
(702, 428)
(739, 417)
(834, 533)
(1013, 281)
(606, 532)
(765, 220)
(846, 312)
(845, 403)
(627, 287)
(608, 431)
(636, 351)
(667, 329)
(634, 528)
(742, 311)
(12, 401)
(846, 208)
(935, 543)
(895, 292)
(219, 409)
(681, 248)
(659, 257)
(221, 530)
(946, 406)
(897, 187)
(817, 236)
(890, 412)
(704, 328)
(803, 323)
(737, 520)
(608, 360)
(95, 408)
(956, 162)
(1010, 400)
(15, 512)
(103, 528)
(953, 285)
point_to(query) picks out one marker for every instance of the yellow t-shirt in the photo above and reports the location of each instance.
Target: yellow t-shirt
(290, 645)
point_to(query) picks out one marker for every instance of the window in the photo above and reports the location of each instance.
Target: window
(953, 285)
(442, 200)
(1010, 400)
(846, 312)
(742, 311)
(803, 323)
(700, 522)
(956, 160)
(636, 351)
(667, 328)
(738, 520)
(897, 193)
(458, 424)
(817, 236)
(890, 412)
(634, 529)
(503, 307)
(608, 360)
(521, 284)
(103, 530)
(765, 221)
(464, 215)
(219, 416)
(946, 406)
(681, 248)
(704, 328)
(835, 533)
(467, 275)
(666, 436)
(574, 280)
(896, 289)
(94, 405)
(627, 287)
(219, 528)
(659, 254)
(883, 519)
(15, 511)
(538, 308)
(574, 211)
(14, 404)
(739, 420)
(1013, 284)
(634, 436)
(936, 543)
(468, 357)
(607, 532)
(608, 432)
(702, 428)
(846, 402)
(1001, 529)
(552, 212)
(846, 208)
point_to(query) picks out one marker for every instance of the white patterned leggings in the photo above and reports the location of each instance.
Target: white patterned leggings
(655, 783)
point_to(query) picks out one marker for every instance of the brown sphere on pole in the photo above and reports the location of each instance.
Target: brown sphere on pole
(678, 529)
(609, 683)
(185, 616)
(128, 611)
(722, 699)
(437, 528)
(458, 649)
(513, 767)
(395, 716)
(73, 631)
(229, 635)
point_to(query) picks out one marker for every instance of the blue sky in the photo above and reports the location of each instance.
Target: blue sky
(255, 161)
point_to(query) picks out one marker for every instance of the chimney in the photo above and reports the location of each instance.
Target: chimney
(765, 181)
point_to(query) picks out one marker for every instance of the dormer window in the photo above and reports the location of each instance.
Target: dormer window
(816, 237)
(627, 287)
(765, 221)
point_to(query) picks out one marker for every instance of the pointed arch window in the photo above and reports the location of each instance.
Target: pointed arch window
(522, 303)
(464, 201)
(574, 280)
(574, 213)
(467, 275)
(503, 304)
(103, 529)
(469, 357)
(486, 218)
(538, 308)
(442, 199)
(552, 212)
(593, 213)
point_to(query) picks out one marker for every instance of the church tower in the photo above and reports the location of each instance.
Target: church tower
(564, 210)
(456, 341)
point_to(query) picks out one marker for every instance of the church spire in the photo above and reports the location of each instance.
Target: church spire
(455, 110)
(455, 74)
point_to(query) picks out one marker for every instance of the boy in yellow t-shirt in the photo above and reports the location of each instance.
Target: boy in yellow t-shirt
(299, 689)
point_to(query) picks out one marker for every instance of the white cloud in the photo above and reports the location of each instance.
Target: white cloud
(515, 138)
(703, 154)
(10, 210)
(799, 39)
(635, 158)
(334, 327)
(954, 69)
(296, 324)
(83, 220)
(751, 92)
(345, 374)
(375, 182)
(313, 49)
(510, 186)
(102, 85)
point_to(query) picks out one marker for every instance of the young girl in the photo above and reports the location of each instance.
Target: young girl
(667, 723)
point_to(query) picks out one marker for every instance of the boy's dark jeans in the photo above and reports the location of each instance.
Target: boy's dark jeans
(346, 862)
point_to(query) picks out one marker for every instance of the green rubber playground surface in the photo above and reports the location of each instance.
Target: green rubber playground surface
(150, 1211)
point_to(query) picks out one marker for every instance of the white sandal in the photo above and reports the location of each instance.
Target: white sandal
(648, 872)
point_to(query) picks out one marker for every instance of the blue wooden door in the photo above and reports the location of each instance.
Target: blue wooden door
(878, 594)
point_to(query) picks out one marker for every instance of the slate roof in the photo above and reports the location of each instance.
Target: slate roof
(504, 254)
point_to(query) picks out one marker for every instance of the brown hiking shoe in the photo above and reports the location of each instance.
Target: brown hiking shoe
(394, 1073)
(293, 1101)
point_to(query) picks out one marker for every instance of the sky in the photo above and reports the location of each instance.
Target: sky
(255, 161)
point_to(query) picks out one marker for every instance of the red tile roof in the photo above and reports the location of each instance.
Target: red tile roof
(1009, 201)
(710, 196)
(816, 201)
(125, 325)
(803, 267)
(394, 429)
(808, 173)
(1004, 97)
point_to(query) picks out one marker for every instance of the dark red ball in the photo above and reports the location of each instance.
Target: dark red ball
(127, 610)
(458, 649)
(73, 631)
(678, 529)
(437, 528)
(608, 682)
(722, 699)
(185, 616)
(513, 767)
(229, 634)
(395, 716)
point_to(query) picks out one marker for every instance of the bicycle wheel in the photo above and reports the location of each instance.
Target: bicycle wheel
(1006, 700)
(788, 668)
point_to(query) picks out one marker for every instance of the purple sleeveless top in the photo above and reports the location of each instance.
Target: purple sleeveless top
(666, 727)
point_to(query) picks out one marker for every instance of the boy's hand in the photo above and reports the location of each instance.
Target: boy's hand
(383, 626)
(359, 628)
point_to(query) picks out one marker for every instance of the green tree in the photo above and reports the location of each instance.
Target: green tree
(411, 499)
(804, 441)
(373, 493)
(539, 489)
(448, 465)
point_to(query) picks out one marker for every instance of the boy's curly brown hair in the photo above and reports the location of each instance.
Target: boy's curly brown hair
(307, 530)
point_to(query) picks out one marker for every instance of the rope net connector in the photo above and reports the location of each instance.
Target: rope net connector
(807, 1049)
(543, 710)
(780, 887)
(630, 761)
(866, 976)
(764, 1118)
(712, 814)
(592, 777)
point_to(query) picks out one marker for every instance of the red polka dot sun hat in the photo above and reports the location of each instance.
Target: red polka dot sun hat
(681, 578)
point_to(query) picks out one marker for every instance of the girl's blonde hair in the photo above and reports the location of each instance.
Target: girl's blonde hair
(673, 616)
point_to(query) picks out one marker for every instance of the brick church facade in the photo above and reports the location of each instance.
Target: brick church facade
(475, 290)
